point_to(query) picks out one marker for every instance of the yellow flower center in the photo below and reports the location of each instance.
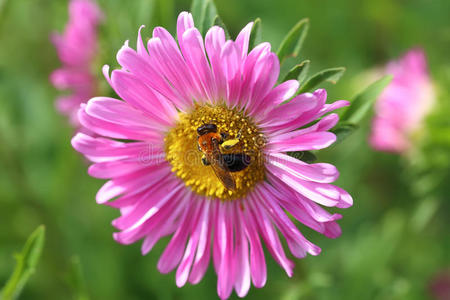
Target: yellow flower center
(182, 151)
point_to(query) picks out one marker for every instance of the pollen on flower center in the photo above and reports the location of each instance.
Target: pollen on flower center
(181, 146)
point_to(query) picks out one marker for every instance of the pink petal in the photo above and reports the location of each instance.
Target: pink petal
(184, 22)
(118, 131)
(300, 207)
(68, 78)
(324, 124)
(174, 250)
(333, 106)
(224, 249)
(127, 200)
(302, 142)
(166, 58)
(199, 229)
(119, 112)
(230, 67)
(131, 183)
(264, 78)
(194, 54)
(257, 261)
(214, 41)
(152, 227)
(330, 228)
(105, 71)
(276, 96)
(241, 257)
(102, 149)
(203, 254)
(177, 65)
(282, 92)
(320, 172)
(230, 60)
(140, 67)
(314, 108)
(140, 47)
(165, 229)
(270, 237)
(111, 169)
(297, 243)
(243, 38)
(259, 59)
(322, 193)
(135, 92)
(150, 203)
(301, 107)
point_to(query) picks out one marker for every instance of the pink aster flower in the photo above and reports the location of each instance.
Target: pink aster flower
(167, 183)
(77, 49)
(401, 108)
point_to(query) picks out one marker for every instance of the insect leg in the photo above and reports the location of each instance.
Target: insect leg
(205, 161)
(224, 136)
(229, 144)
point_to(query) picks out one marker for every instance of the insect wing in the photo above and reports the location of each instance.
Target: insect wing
(219, 168)
(225, 177)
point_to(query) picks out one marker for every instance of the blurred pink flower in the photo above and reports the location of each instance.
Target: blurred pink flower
(76, 49)
(157, 178)
(439, 286)
(401, 108)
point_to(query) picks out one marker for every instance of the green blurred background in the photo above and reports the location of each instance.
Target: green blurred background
(396, 237)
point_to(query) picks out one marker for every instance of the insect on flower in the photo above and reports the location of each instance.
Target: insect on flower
(210, 143)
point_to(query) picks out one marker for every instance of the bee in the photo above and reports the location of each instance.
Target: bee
(211, 143)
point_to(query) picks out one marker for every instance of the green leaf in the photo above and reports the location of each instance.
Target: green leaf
(330, 75)
(255, 34)
(343, 130)
(204, 13)
(298, 72)
(210, 15)
(363, 101)
(76, 279)
(424, 213)
(26, 262)
(164, 12)
(293, 41)
(305, 156)
(198, 8)
(3, 10)
(219, 22)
